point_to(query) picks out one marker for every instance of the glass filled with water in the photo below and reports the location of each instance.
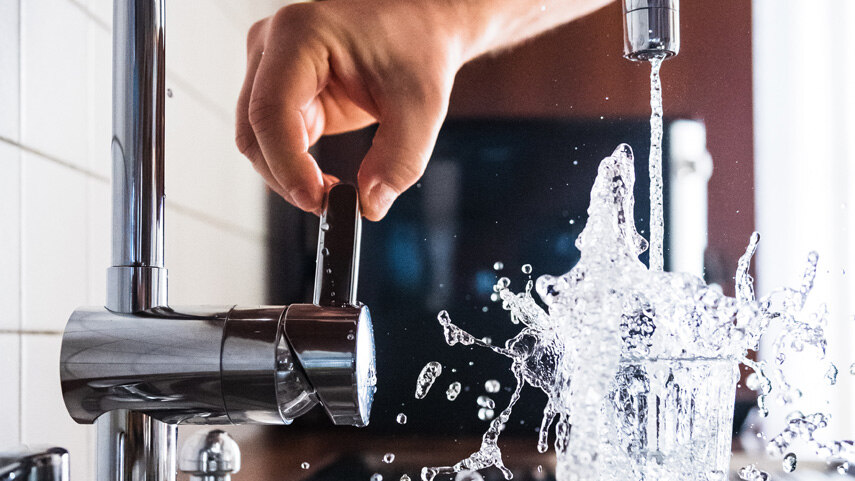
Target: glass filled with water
(669, 420)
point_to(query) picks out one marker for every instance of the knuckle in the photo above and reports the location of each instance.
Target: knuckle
(405, 169)
(255, 33)
(296, 17)
(245, 141)
(261, 114)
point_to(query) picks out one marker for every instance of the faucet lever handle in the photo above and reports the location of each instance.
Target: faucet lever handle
(337, 266)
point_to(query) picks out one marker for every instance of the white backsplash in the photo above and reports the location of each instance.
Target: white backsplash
(55, 129)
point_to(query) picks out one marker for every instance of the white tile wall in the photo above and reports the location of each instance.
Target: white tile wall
(10, 235)
(53, 242)
(9, 19)
(53, 78)
(55, 129)
(10, 375)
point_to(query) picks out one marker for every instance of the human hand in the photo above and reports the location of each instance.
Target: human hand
(335, 66)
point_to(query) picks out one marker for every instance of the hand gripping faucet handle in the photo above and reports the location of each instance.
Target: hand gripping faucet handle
(332, 337)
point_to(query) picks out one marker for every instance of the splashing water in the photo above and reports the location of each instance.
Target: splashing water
(427, 377)
(657, 402)
(657, 218)
(453, 391)
(789, 463)
(486, 414)
(751, 473)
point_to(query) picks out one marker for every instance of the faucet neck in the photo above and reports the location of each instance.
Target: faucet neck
(138, 277)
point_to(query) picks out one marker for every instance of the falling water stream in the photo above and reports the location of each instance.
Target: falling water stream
(657, 218)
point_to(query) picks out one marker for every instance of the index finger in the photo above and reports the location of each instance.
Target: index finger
(284, 94)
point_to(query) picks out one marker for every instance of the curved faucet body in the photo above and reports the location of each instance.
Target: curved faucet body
(651, 28)
(228, 365)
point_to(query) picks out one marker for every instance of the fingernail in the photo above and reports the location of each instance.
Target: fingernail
(382, 196)
(303, 199)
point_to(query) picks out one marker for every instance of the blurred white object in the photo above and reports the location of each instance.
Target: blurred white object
(690, 169)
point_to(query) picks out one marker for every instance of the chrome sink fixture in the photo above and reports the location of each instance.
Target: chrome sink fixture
(34, 464)
(209, 456)
(139, 367)
(651, 28)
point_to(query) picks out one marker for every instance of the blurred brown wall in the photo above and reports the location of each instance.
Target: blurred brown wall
(570, 72)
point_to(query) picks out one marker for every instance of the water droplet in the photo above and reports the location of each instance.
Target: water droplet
(328, 270)
(486, 402)
(453, 391)
(572, 221)
(852, 369)
(526, 269)
(843, 468)
(831, 374)
(376, 477)
(498, 265)
(305, 465)
(492, 386)
(350, 336)
(503, 283)
(789, 463)
(401, 418)
(485, 309)
(404, 477)
(751, 473)
(389, 458)
(430, 372)
(485, 414)
(487, 340)
(539, 468)
(169, 93)
(325, 251)
(325, 226)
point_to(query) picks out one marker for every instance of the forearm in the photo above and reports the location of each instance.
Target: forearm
(488, 25)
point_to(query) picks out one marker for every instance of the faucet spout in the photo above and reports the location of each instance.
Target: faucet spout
(651, 28)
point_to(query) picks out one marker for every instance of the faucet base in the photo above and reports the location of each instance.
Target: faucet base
(132, 446)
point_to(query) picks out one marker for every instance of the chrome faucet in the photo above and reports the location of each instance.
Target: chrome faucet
(651, 28)
(138, 367)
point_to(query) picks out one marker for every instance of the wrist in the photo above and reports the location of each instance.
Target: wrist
(470, 23)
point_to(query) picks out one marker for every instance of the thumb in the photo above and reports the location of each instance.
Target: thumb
(400, 151)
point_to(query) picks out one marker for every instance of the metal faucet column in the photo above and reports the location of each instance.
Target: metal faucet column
(133, 446)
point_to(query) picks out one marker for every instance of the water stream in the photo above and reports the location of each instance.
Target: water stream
(657, 218)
